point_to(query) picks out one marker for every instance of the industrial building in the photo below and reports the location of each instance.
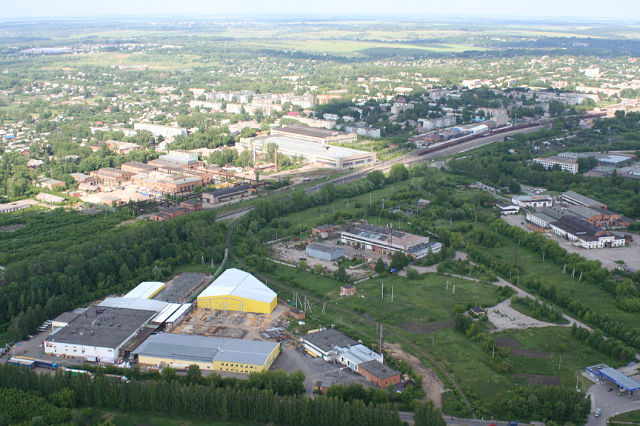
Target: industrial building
(332, 345)
(574, 198)
(566, 164)
(585, 234)
(209, 353)
(212, 198)
(336, 157)
(236, 290)
(324, 251)
(146, 290)
(536, 201)
(314, 134)
(387, 241)
(98, 334)
(379, 374)
(161, 130)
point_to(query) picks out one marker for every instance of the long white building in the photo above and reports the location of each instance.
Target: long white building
(335, 157)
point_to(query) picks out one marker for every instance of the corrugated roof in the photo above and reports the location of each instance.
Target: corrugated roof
(234, 282)
(134, 303)
(206, 349)
(146, 290)
(620, 379)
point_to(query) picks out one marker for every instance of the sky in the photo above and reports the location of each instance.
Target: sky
(626, 10)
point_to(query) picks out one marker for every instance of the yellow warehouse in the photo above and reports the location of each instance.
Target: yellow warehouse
(236, 290)
(209, 353)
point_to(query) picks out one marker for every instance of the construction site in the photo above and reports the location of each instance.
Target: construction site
(237, 325)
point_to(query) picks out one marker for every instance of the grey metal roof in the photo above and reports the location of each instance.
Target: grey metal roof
(580, 199)
(325, 248)
(206, 349)
(103, 327)
(231, 190)
(328, 339)
(378, 369)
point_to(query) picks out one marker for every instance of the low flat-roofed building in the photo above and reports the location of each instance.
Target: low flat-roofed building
(49, 198)
(330, 156)
(545, 217)
(161, 130)
(387, 241)
(322, 343)
(122, 148)
(98, 334)
(209, 353)
(566, 164)
(314, 134)
(16, 205)
(572, 197)
(111, 176)
(584, 234)
(535, 201)
(138, 167)
(507, 209)
(322, 231)
(615, 160)
(324, 251)
(598, 216)
(223, 195)
(49, 183)
(146, 289)
(65, 318)
(379, 374)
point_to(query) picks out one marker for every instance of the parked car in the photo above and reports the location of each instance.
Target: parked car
(597, 412)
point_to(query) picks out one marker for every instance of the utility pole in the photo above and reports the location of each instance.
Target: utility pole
(380, 344)
(391, 294)
(382, 297)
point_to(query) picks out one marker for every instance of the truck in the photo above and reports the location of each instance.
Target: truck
(46, 364)
(22, 362)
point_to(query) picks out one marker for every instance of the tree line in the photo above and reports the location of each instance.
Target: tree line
(206, 401)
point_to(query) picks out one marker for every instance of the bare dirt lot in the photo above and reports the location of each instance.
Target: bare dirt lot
(418, 327)
(431, 383)
(240, 325)
(607, 256)
(504, 317)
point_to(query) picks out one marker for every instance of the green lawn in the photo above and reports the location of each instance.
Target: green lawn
(550, 273)
(632, 417)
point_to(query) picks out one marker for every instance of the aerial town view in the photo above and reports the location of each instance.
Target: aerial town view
(352, 213)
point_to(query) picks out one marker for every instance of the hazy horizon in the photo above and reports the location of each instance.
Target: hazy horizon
(587, 10)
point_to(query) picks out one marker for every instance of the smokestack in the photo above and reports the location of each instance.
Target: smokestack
(276, 159)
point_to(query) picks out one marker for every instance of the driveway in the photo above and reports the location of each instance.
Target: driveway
(609, 402)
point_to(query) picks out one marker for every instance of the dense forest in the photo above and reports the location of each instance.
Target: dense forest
(83, 266)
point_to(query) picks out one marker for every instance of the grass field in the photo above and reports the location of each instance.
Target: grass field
(151, 419)
(548, 272)
(630, 417)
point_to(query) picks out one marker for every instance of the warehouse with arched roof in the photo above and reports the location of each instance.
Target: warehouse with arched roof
(236, 290)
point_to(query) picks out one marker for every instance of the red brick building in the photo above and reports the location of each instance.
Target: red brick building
(380, 374)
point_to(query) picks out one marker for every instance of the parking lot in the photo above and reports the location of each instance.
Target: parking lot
(315, 369)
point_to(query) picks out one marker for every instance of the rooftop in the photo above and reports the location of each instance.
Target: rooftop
(316, 132)
(206, 349)
(580, 199)
(301, 147)
(234, 282)
(231, 190)
(146, 289)
(102, 326)
(325, 248)
(386, 235)
(328, 339)
(378, 369)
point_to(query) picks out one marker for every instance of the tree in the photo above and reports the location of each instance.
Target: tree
(377, 178)
(426, 414)
(399, 260)
(380, 267)
(341, 275)
(398, 173)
